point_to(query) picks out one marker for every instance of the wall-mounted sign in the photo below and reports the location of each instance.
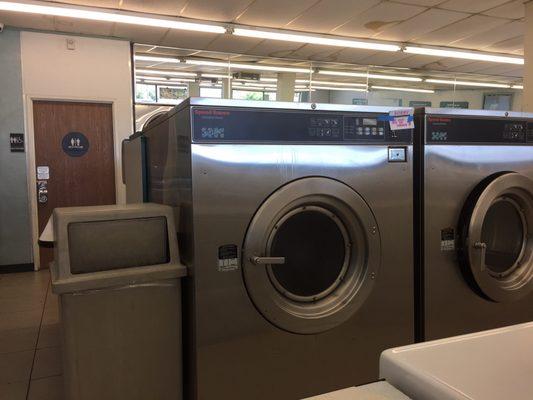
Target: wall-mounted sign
(360, 102)
(416, 104)
(75, 144)
(454, 104)
(16, 142)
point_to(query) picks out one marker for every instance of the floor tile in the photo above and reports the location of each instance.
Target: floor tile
(46, 389)
(14, 391)
(18, 340)
(15, 367)
(47, 363)
(49, 336)
(22, 303)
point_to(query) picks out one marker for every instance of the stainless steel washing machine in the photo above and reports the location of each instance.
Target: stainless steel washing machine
(473, 221)
(296, 224)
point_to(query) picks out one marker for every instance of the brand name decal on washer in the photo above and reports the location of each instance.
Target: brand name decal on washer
(228, 258)
(447, 239)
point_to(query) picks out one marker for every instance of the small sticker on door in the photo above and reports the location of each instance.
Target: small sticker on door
(447, 239)
(228, 258)
(43, 172)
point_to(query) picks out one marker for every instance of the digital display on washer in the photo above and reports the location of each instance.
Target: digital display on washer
(445, 129)
(212, 124)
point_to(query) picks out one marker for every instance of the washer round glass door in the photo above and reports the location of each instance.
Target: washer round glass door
(311, 255)
(496, 250)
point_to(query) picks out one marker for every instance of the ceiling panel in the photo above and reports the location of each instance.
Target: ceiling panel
(170, 51)
(143, 34)
(496, 69)
(188, 40)
(316, 53)
(514, 10)
(329, 14)
(472, 6)
(272, 48)
(82, 26)
(215, 10)
(32, 21)
(415, 61)
(425, 3)
(165, 7)
(92, 3)
(384, 58)
(233, 44)
(514, 45)
(495, 35)
(473, 25)
(423, 23)
(274, 13)
(353, 55)
(377, 19)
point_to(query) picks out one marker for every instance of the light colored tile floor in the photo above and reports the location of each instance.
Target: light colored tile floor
(30, 358)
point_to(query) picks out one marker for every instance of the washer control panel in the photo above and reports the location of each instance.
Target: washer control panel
(211, 124)
(452, 129)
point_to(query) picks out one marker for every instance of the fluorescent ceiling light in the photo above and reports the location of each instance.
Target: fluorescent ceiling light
(370, 76)
(173, 84)
(216, 76)
(312, 39)
(464, 83)
(162, 72)
(246, 66)
(108, 16)
(338, 88)
(333, 83)
(156, 78)
(467, 55)
(399, 89)
(518, 87)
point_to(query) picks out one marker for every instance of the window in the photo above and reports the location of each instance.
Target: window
(145, 93)
(211, 92)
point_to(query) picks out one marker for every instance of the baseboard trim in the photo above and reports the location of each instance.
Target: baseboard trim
(4, 269)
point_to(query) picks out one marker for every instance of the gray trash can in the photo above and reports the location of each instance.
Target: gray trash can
(117, 274)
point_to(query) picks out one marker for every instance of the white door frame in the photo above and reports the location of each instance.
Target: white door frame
(30, 158)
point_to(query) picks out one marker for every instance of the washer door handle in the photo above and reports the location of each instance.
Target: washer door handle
(481, 246)
(267, 260)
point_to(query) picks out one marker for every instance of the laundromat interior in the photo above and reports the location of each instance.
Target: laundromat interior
(266, 200)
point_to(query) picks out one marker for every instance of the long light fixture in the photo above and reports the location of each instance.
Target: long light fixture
(370, 76)
(331, 83)
(246, 66)
(162, 72)
(467, 83)
(313, 39)
(159, 83)
(517, 87)
(401, 89)
(108, 16)
(338, 88)
(467, 55)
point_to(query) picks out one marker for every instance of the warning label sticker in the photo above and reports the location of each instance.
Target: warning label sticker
(228, 258)
(447, 239)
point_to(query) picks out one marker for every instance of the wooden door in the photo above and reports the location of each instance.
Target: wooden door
(74, 158)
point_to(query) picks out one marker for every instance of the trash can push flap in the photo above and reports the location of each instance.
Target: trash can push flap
(117, 245)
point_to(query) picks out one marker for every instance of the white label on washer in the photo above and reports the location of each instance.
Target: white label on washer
(447, 239)
(401, 119)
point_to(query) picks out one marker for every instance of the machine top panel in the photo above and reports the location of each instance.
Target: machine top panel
(451, 129)
(211, 124)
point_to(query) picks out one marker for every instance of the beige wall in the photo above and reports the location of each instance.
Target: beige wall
(97, 70)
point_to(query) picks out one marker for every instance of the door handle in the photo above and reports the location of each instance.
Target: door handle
(481, 246)
(267, 260)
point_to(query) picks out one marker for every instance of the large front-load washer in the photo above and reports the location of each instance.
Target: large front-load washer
(296, 225)
(473, 221)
